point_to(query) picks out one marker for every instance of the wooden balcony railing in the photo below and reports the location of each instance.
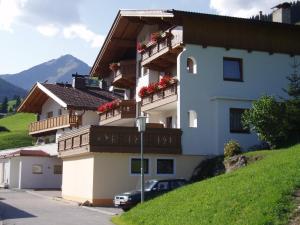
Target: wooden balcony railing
(54, 123)
(163, 53)
(126, 110)
(119, 140)
(124, 77)
(160, 98)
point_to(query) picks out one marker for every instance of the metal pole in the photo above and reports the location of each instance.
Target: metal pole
(142, 169)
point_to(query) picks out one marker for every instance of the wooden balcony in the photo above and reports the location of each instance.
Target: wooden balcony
(124, 77)
(160, 99)
(54, 123)
(162, 54)
(125, 112)
(119, 140)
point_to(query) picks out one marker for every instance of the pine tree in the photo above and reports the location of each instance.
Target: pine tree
(4, 105)
(18, 102)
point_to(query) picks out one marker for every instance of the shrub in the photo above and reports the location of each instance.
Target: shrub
(267, 118)
(232, 148)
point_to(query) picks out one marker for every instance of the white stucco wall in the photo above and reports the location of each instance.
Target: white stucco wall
(51, 106)
(211, 97)
(45, 180)
(161, 117)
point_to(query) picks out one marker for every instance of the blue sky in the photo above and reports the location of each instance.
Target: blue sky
(34, 31)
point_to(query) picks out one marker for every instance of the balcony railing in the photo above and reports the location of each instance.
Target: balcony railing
(125, 110)
(119, 140)
(54, 123)
(160, 98)
(124, 77)
(162, 53)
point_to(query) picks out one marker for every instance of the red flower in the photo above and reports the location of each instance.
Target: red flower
(140, 47)
(143, 92)
(109, 106)
(154, 37)
(151, 88)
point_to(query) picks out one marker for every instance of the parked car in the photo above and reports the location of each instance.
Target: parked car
(153, 188)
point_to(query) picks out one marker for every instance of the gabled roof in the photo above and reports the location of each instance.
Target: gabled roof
(66, 96)
(198, 28)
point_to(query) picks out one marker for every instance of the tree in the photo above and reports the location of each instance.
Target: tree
(18, 102)
(293, 103)
(4, 105)
(267, 119)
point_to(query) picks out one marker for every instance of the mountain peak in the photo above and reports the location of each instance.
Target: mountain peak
(55, 70)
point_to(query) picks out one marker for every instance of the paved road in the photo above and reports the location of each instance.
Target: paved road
(21, 208)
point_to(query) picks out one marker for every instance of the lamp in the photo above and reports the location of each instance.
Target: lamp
(141, 125)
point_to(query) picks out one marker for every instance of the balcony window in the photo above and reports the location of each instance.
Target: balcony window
(57, 169)
(169, 122)
(165, 166)
(191, 65)
(136, 166)
(192, 119)
(236, 125)
(232, 69)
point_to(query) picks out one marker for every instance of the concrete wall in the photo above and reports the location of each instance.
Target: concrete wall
(51, 106)
(161, 117)
(98, 177)
(211, 97)
(15, 169)
(45, 180)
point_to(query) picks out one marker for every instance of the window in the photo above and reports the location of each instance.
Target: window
(136, 166)
(145, 71)
(163, 186)
(165, 166)
(192, 119)
(236, 125)
(59, 112)
(232, 69)
(169, 122)
(37, 169)
(57, 169)
(191, 65)
(49, 114)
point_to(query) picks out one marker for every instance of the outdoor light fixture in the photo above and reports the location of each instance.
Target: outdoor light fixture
(141, 125)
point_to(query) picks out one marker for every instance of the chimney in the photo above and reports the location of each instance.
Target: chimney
(78, 81)
(282, 13)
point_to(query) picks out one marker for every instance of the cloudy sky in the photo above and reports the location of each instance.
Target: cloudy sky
(34, 31)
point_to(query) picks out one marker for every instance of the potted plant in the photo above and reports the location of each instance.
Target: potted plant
(156, 36)
(114, 67)
(141, 47)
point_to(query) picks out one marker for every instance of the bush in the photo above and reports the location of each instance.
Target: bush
(232, 148)
(267, 118)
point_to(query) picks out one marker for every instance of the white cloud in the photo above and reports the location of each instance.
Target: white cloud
(9, 10)
(82, 32)
(242, 8)
(48, 30)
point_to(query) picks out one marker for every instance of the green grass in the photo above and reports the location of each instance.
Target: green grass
(17, 134)
(257, 194)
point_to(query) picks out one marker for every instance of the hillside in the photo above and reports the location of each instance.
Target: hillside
(260, 193)
(55, 70)
(9, 90)
(14, 131)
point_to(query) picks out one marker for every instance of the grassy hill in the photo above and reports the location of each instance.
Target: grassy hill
(260, 193)
(14, 131)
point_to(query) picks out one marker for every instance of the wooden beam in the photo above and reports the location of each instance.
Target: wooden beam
(123, 42)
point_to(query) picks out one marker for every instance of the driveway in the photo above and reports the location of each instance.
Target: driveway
(21, 208)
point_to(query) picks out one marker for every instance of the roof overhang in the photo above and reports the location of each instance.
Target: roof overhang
(37, 96)
(121, 40)
(32, 153)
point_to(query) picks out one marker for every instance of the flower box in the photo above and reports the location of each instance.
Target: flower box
(157, 96)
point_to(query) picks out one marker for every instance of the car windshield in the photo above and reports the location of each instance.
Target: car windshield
(148, 185)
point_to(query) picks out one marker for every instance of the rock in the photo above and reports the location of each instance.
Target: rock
(208, 168)
(235, 162)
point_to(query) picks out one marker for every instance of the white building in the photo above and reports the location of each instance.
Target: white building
(32, 167)
(216, 67)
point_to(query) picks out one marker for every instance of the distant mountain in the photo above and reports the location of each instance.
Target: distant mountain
(55, 70)
(9, 90)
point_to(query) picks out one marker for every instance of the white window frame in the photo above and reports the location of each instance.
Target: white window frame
(138, 174)
(166, 174)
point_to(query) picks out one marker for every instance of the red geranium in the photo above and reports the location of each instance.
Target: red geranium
(108, 106)
(143, 92)
(140, 47)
